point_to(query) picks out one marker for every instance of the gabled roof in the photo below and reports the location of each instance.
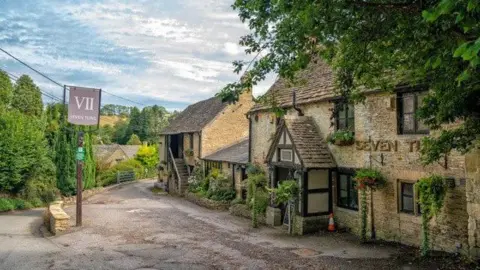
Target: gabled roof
(237, 153)
(103, 151)
(196, 116)
(130, 150)
(314, 83)
(307, 142)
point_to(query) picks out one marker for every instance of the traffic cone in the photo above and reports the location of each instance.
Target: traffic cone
(331, 223)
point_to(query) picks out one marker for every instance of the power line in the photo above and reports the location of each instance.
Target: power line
(15, 78)
(61, 85)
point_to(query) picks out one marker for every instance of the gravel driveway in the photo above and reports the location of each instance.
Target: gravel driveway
(131, 228)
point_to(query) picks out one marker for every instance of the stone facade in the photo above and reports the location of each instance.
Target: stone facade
(376, 140)
(228, 127)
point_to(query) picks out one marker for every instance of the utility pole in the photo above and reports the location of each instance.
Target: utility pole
(80, 158)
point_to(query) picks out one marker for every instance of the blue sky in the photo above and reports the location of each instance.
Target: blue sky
(165, 52)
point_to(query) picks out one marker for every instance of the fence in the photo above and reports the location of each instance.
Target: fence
(124, 176)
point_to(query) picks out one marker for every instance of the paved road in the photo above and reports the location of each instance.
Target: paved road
(130, 228)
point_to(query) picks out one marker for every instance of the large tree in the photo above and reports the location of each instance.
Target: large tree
(6, 89)
(27, 97)
(376, 44)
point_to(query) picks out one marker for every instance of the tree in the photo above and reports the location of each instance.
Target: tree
(134, 124)
(134, 140)
(65, 160)
(27, 97)
(89, 168)
(376, 45)
(23, 151)
(119, 134)
(6, 89)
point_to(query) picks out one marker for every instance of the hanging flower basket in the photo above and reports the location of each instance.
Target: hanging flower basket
(341, 138)
(370, 178)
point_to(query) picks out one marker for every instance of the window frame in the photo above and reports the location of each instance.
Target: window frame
(350, 179)
(416, 205)
(401, 114)
(347, 107)
(280, 154)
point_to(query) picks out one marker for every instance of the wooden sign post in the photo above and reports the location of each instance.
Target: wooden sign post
(83, 109)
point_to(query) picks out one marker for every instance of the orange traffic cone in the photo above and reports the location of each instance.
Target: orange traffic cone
(331, 223)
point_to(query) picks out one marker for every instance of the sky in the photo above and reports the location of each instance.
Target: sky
(166, 52)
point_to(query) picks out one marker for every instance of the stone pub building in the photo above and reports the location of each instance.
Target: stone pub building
(387, 137)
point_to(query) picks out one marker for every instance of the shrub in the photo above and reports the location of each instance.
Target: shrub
(287, 190)
(6, 205)
(109, 176)
(148, 156)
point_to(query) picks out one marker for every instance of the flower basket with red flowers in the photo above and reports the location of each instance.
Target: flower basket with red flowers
(369, 178)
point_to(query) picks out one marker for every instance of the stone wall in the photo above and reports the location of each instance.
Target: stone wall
(196, 147)
(305, 225)
(55, 219)
(229, 127)
(242, 210)
(473, 201)
(207, 203)
(376, 139)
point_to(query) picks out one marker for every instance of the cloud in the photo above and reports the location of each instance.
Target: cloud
(163, 52)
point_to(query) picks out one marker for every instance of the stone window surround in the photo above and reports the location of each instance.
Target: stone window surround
(416, 206)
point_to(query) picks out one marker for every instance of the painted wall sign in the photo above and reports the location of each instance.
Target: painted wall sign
(386, 145)
(84, 106)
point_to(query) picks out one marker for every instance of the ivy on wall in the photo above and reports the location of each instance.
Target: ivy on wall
(431, 192)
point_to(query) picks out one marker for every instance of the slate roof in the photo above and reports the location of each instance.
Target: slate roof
(196, 116)
(237, 153)
(102, 151)
(314, 83)
(130, 150)
(312, 149)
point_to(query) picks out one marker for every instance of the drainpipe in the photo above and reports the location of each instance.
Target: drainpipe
(294, 103)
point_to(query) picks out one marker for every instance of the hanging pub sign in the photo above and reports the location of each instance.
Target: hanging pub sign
(84, 106)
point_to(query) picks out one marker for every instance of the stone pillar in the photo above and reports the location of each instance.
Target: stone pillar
(274, 216)
(472, 167)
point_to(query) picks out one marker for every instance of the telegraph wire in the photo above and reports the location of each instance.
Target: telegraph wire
(59, 84)
(15, 78)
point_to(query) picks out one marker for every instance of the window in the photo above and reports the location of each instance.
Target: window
(347, 192)
(408, 202)
(286, 155)
(344, 118)
(408, 104)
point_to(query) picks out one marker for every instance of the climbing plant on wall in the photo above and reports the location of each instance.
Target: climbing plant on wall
(373, 180)
(431, 191)
(257, 196)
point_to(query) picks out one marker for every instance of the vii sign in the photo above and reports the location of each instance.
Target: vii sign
(84, 106)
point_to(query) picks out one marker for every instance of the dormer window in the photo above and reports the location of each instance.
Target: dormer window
(345, 117)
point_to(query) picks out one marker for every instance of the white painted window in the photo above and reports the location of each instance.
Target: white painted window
(286, 155)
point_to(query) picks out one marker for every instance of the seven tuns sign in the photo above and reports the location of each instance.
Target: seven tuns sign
(84, 106)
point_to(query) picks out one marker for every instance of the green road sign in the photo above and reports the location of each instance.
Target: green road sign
(80, 155)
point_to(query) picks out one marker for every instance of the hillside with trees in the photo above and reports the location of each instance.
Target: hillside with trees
(38, 145)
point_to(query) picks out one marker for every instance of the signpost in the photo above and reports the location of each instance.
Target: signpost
(83, 109)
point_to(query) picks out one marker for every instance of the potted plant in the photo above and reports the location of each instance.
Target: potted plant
(341, 138)
(371, 178)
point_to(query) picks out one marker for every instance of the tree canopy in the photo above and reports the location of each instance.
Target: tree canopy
(27, 97)
(6, 89)
(380, 44)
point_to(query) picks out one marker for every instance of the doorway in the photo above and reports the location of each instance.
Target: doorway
(176, 144)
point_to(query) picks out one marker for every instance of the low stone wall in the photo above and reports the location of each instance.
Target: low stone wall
(242, 210)
(207, 203)
(55, 219)
(305, 225)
